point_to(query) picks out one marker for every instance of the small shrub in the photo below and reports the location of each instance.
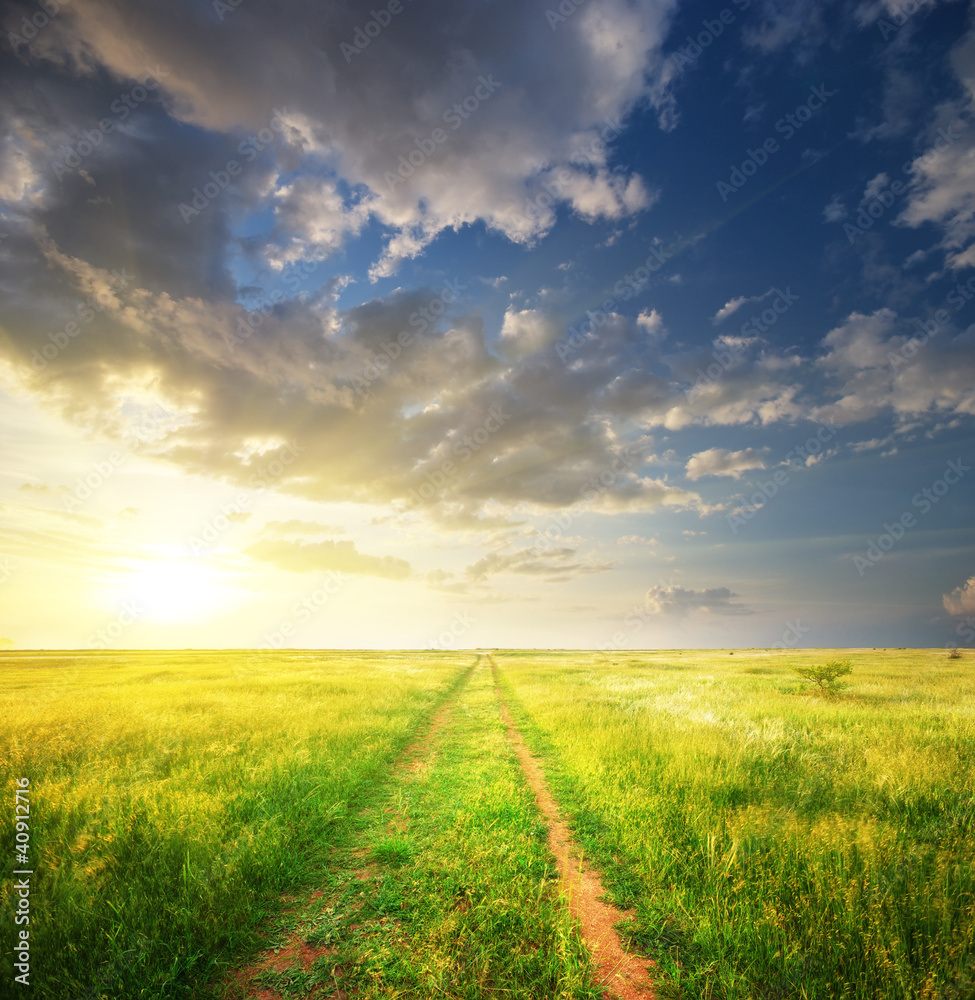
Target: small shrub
(825, 676)
(954, 654)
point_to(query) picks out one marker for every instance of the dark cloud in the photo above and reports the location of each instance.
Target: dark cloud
(675, 600)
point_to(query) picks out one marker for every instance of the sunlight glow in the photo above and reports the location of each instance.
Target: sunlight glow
(178, 592)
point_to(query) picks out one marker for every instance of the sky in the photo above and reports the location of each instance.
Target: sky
(609, 324)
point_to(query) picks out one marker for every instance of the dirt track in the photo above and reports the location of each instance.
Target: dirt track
(624, 975)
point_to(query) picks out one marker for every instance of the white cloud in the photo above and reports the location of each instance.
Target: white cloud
(317, 218)
(733, 305)
(835, 211)
(635, 540)
(942, 187)
(537, 96)
(961, 601)
(874, 186)
(730, 308)
(653, 323)
(528, 331)
(880, 362)
(719, 462)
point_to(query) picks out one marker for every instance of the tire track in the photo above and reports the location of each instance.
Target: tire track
(283, 955)
(623, 975)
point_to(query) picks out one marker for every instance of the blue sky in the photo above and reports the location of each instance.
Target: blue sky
(604, 324)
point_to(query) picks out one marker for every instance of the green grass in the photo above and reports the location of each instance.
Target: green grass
(175, 796)
(447, 888)
(774, 843)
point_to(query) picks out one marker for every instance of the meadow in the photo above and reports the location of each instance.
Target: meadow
(190, 810)
(176, 795)
(772, 843)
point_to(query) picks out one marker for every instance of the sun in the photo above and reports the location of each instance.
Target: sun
(177, 591)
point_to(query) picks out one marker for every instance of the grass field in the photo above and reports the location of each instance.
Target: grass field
(190, 807)
(176, 795)
(773, 844)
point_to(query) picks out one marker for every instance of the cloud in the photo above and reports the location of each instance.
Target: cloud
(733, 305)
(653, 323)
(874, 186)
(719, 462)
(635, 540)
(867, 13)
(961, 601)
(538, 98)
(43, 488)
(298, 527)
(528, 331)
(730, 307)
(879, 362)
(942, 186)
(555, 565)
(787, 22)
(904, 97)
(340, 556)
(835, 211)
(279, 397)
(678, 602)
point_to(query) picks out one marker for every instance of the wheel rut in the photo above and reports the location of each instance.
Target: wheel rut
(623, 975)
(293, 949)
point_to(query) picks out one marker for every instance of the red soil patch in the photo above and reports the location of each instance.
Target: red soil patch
(295, 952)
(624, 975)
